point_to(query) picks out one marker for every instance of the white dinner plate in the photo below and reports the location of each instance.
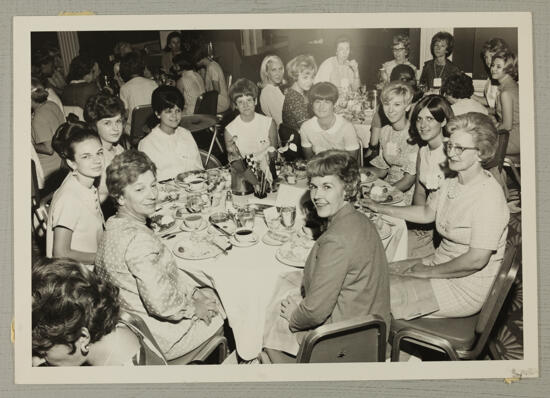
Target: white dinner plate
(269, 240)
(193, 250)
(288, 261)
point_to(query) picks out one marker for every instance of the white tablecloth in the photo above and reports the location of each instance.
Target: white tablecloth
(246, 280)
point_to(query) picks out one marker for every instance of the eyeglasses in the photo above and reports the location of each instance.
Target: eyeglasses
(458, 149)
(398, 49)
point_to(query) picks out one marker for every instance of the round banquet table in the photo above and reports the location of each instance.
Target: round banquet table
(246, 279)
(198, 122)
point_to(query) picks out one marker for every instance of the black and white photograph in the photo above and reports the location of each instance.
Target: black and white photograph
(233, 195)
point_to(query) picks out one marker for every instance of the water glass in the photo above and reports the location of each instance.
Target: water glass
(246, 217)
(288, 216)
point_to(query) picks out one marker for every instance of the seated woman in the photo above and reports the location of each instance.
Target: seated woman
(490, 90)
(346, 272)
(137, 89)
(504, 69)
(214, 78)
(400, 47)
(190, 83)
(105, 114)
(250, 133)
(301, 71)
(75, 221)
(339, 70)
(171, 147)
(180, 316)
(82, 78)
(396, 161)
(47, 117)
(171, 50)
(428, 120)
(271, 98)
(471, 215)
(436, 70)
(76, 320)
(327, 130)
(458, 90)
(405, 74)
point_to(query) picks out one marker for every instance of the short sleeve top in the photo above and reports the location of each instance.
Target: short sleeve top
(340, 136)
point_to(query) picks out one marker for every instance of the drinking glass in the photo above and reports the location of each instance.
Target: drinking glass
(246, 217)
(288, 216)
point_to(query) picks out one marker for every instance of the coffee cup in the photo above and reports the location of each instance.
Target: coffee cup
(193, 221)
(245, 235)
(196, 184)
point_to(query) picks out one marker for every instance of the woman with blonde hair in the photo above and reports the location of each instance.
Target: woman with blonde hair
(271, 97)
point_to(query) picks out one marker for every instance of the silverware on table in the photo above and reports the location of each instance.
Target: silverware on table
(170, 235)
(223, 231)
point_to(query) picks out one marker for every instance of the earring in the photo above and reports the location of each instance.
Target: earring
(85, 350)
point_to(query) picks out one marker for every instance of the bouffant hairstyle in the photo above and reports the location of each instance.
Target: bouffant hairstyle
(166, 97)
(241, 88)
(266, 63)
(300, 64)
(493, 46)
(68, 135)
(125, 169)
(402, 39)
(183, 62)
(80, 66)
(458, 86)
(403, 73)
(67, 297)
(342, 39)
(395, 88)
(438, 106)
(481, 128)
(103, 106)
(338, 163)
(171, 35)
(447, 38)
(131, 64)
(323, 91)
(510, 62)
(38, 93)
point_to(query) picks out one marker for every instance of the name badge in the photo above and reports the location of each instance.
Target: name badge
(437, 82)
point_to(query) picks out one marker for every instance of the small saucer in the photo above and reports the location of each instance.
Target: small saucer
(238, 243)
(268, 240)
(185, 228)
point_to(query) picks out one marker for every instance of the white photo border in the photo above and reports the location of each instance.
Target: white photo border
(26, 374)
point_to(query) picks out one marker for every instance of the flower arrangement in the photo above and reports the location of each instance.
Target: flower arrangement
(354, 107)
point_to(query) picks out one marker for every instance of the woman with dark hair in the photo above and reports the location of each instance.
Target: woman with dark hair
(138, 89)
(504, 69)
(82, 78)
(76, 320)
(171, 50)
(490, 48)
(327, 130)
(47, 117)
(190, 83)
(471, 215)
(339, 70)
(75, 221)
(458, 90)
(179, 314)
(436, 70)
(346, 272)
(214, 78)
(171, 147)
(106, 115)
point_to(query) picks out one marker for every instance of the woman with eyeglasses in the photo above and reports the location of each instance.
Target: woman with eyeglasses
(471, 216)
(400, 48)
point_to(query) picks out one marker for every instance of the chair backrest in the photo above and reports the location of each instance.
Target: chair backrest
(139, 128)
(78, 111)
(207, 103)
(284, 134)
(361, 339)
(213, 162)
(498, 293)
(134, 321)
(498, 159)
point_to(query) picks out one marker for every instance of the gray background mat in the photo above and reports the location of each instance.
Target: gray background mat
(424, 389)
